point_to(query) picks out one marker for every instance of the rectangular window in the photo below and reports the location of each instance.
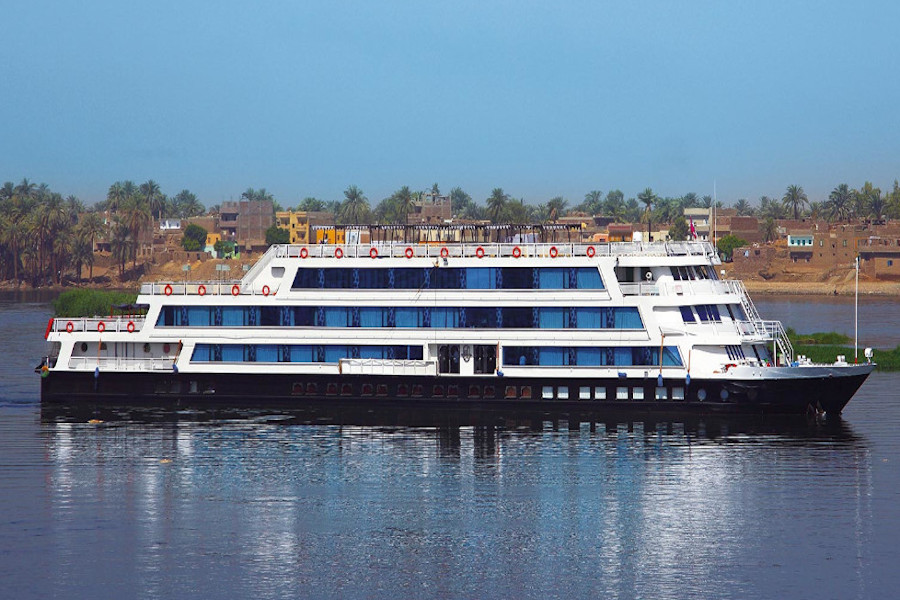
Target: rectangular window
(661, 393)
(584, 393)
(638, 393)
(687, 314)
(599, 393)
(621, 393)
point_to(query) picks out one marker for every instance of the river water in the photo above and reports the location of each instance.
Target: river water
(264, 504)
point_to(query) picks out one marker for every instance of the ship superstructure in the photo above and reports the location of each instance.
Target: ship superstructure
(639, 325)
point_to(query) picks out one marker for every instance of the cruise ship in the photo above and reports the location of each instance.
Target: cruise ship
(641, 326)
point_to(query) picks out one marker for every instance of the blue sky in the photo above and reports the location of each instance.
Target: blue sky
(540, 98)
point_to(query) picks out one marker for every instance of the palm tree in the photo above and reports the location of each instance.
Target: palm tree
(120, 243)
(496, 205)
(769, 230)
(187, 205)
(555, 207)
(839, 203)
(115, 196)
(795, 199)
(743, 207)
(137, 216)
(89, 228)
(355, 207)
(12, 232)
(80, 252)
(58, 220)
(593, 202)
(155, 200)
(648, 198)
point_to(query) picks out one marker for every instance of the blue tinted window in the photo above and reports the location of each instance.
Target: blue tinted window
(551, 278)
(589, 279)
(687, 315)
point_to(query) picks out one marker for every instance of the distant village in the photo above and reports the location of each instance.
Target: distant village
(790, 240)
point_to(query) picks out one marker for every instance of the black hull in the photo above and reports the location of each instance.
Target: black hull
(382, 393)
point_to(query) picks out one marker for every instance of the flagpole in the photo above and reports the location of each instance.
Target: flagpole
(856, 317)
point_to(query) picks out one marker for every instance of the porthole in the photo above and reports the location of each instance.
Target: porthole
(84, 346)
(701, 394)
(146, 347)
(723, 394)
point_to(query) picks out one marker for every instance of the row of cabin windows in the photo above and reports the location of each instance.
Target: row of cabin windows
(451, 278)
(554, 356)
(504, 317)
(274, 353)
(709, 313)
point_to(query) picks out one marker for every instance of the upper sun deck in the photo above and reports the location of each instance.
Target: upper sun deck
(489, 250)
(396, 253)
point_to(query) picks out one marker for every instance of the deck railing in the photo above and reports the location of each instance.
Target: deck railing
(98, 324)
(118, 363)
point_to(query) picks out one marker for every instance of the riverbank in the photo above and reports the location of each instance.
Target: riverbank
(810, 288)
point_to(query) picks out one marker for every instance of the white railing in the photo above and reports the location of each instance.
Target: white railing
(378, 366)
(395, 249)
(205, 288)
(683, 287)
(115, 363)
(98, 324)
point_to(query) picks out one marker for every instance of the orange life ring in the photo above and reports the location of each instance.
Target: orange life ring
(266, 290)
(591, 251)
(553, 252)
(101, 326)
(70, 327)
(373, 252)
(201, 290)
(168, 290)
(304, 252)
(444, 252)
(130, 327)
(338, 253)
(409, 252)
(479, 252)
(517, 252)
(235, 290)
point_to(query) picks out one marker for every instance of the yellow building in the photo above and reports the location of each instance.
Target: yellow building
(297, 223)
(212, 238)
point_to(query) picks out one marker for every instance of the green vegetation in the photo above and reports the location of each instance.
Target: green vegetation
(277, 235)
(727, 244)
(47, 239)
(194, 238)
(824, 347)
(88, 302)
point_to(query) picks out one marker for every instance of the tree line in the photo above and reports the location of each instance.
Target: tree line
(44, 235)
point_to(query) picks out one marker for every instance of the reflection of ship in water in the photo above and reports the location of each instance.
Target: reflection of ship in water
(486, 424)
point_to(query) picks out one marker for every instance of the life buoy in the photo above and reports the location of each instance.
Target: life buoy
(517, 252)
(373, 252)
(266, 290)
(338, 253)
(168, 290)
(304, 252)
(130, 327)
(70, 327)
(201, 290)
(101, 326)
(591, 251)
(409, 252)
(444, 252)
(479, 252)
(553, 252)
(235, 290)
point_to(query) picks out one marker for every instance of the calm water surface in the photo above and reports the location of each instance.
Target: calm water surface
(262, 504)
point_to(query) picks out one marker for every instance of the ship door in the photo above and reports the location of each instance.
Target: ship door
(448, 359)
(485, 359)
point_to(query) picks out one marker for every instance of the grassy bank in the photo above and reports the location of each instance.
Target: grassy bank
(824, 347)
(85, 302)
